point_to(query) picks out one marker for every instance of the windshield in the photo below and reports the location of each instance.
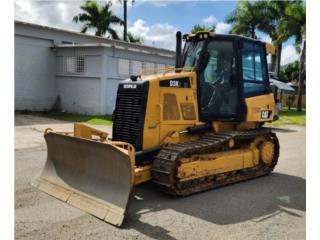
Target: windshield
(191, 53)
(214, 61)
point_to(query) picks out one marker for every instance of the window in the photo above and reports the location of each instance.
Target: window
(74, 64)
(191, 53)
(123, 67)
(217, 79)
(253, 68)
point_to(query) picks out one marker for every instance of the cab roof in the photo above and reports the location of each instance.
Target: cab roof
(207, 34)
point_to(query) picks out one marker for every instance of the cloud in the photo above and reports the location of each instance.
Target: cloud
(53, 13)
(159, 3)
(59, 14)
(223, 28)
(289, 54)
(160, 35)
(211, 20)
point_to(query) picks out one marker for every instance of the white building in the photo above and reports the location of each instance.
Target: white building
(83, 70)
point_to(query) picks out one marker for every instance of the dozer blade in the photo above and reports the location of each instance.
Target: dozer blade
(93, 176)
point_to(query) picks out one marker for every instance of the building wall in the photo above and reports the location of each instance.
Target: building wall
(80, 92)
(40, 77)
(58, 37)
(104, 69)
(121, 64)
(80, 95)
(35, 85)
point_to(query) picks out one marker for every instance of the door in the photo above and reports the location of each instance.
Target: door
(218, 85)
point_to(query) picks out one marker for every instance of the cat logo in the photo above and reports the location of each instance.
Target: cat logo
(265, 114)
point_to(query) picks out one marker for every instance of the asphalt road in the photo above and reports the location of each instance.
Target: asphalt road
(271, 207)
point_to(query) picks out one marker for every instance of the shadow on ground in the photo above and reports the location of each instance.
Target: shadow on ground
(282, 130)
(255, 200)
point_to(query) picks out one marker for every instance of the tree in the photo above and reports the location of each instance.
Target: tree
(197, 28)
(273, 13)
(245, 19)
(124, 2)
(134, 39)
(294, 24)
(289, 72)
(98, 17)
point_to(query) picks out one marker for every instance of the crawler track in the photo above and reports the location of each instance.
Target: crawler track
(166, 163)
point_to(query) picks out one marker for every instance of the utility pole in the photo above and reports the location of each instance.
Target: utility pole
(125, 20)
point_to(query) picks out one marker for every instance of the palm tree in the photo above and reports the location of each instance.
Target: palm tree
(246, 19)
(134, 39)
(294, 24)
(125, 35)
(273, 12)
(98, 17)
(197, 28)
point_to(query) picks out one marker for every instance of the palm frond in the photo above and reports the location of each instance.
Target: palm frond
(117, 20)
(84, 29)
(113, 33)
(98, 17)
(134, 39)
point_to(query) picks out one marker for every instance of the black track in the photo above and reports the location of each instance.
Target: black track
(166, 163)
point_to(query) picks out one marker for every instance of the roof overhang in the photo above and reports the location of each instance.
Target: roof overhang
(281, 85)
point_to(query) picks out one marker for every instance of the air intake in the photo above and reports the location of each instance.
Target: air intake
(130, 112)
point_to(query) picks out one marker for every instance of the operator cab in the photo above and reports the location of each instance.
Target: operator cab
(229, 69)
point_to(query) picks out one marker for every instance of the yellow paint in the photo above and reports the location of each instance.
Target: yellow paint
(255, 105)
(220, 162)
(156, 129)
(267, 152)
(85, 131)
(200, 35)
(177, 137)
(142, 174)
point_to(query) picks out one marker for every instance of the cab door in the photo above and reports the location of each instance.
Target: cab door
(254, 69)
(256, 89)
(218, 85)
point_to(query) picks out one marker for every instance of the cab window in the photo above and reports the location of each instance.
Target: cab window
(254, 71)
(217, 80)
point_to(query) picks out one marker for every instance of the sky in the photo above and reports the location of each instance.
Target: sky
(155, 21)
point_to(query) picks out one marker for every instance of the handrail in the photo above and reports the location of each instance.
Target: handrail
(164, 71)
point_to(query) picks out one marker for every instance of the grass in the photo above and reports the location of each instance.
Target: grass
(291, 117)
(286, 117)
(96, 119)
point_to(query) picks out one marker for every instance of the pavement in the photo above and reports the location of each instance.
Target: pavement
(270, 207)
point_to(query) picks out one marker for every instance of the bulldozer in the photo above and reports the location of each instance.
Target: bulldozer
(189, 128)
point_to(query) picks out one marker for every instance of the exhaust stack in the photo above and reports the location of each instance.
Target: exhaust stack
(178, 50)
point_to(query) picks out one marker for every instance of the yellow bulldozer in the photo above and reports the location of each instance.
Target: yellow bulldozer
(188, 129)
